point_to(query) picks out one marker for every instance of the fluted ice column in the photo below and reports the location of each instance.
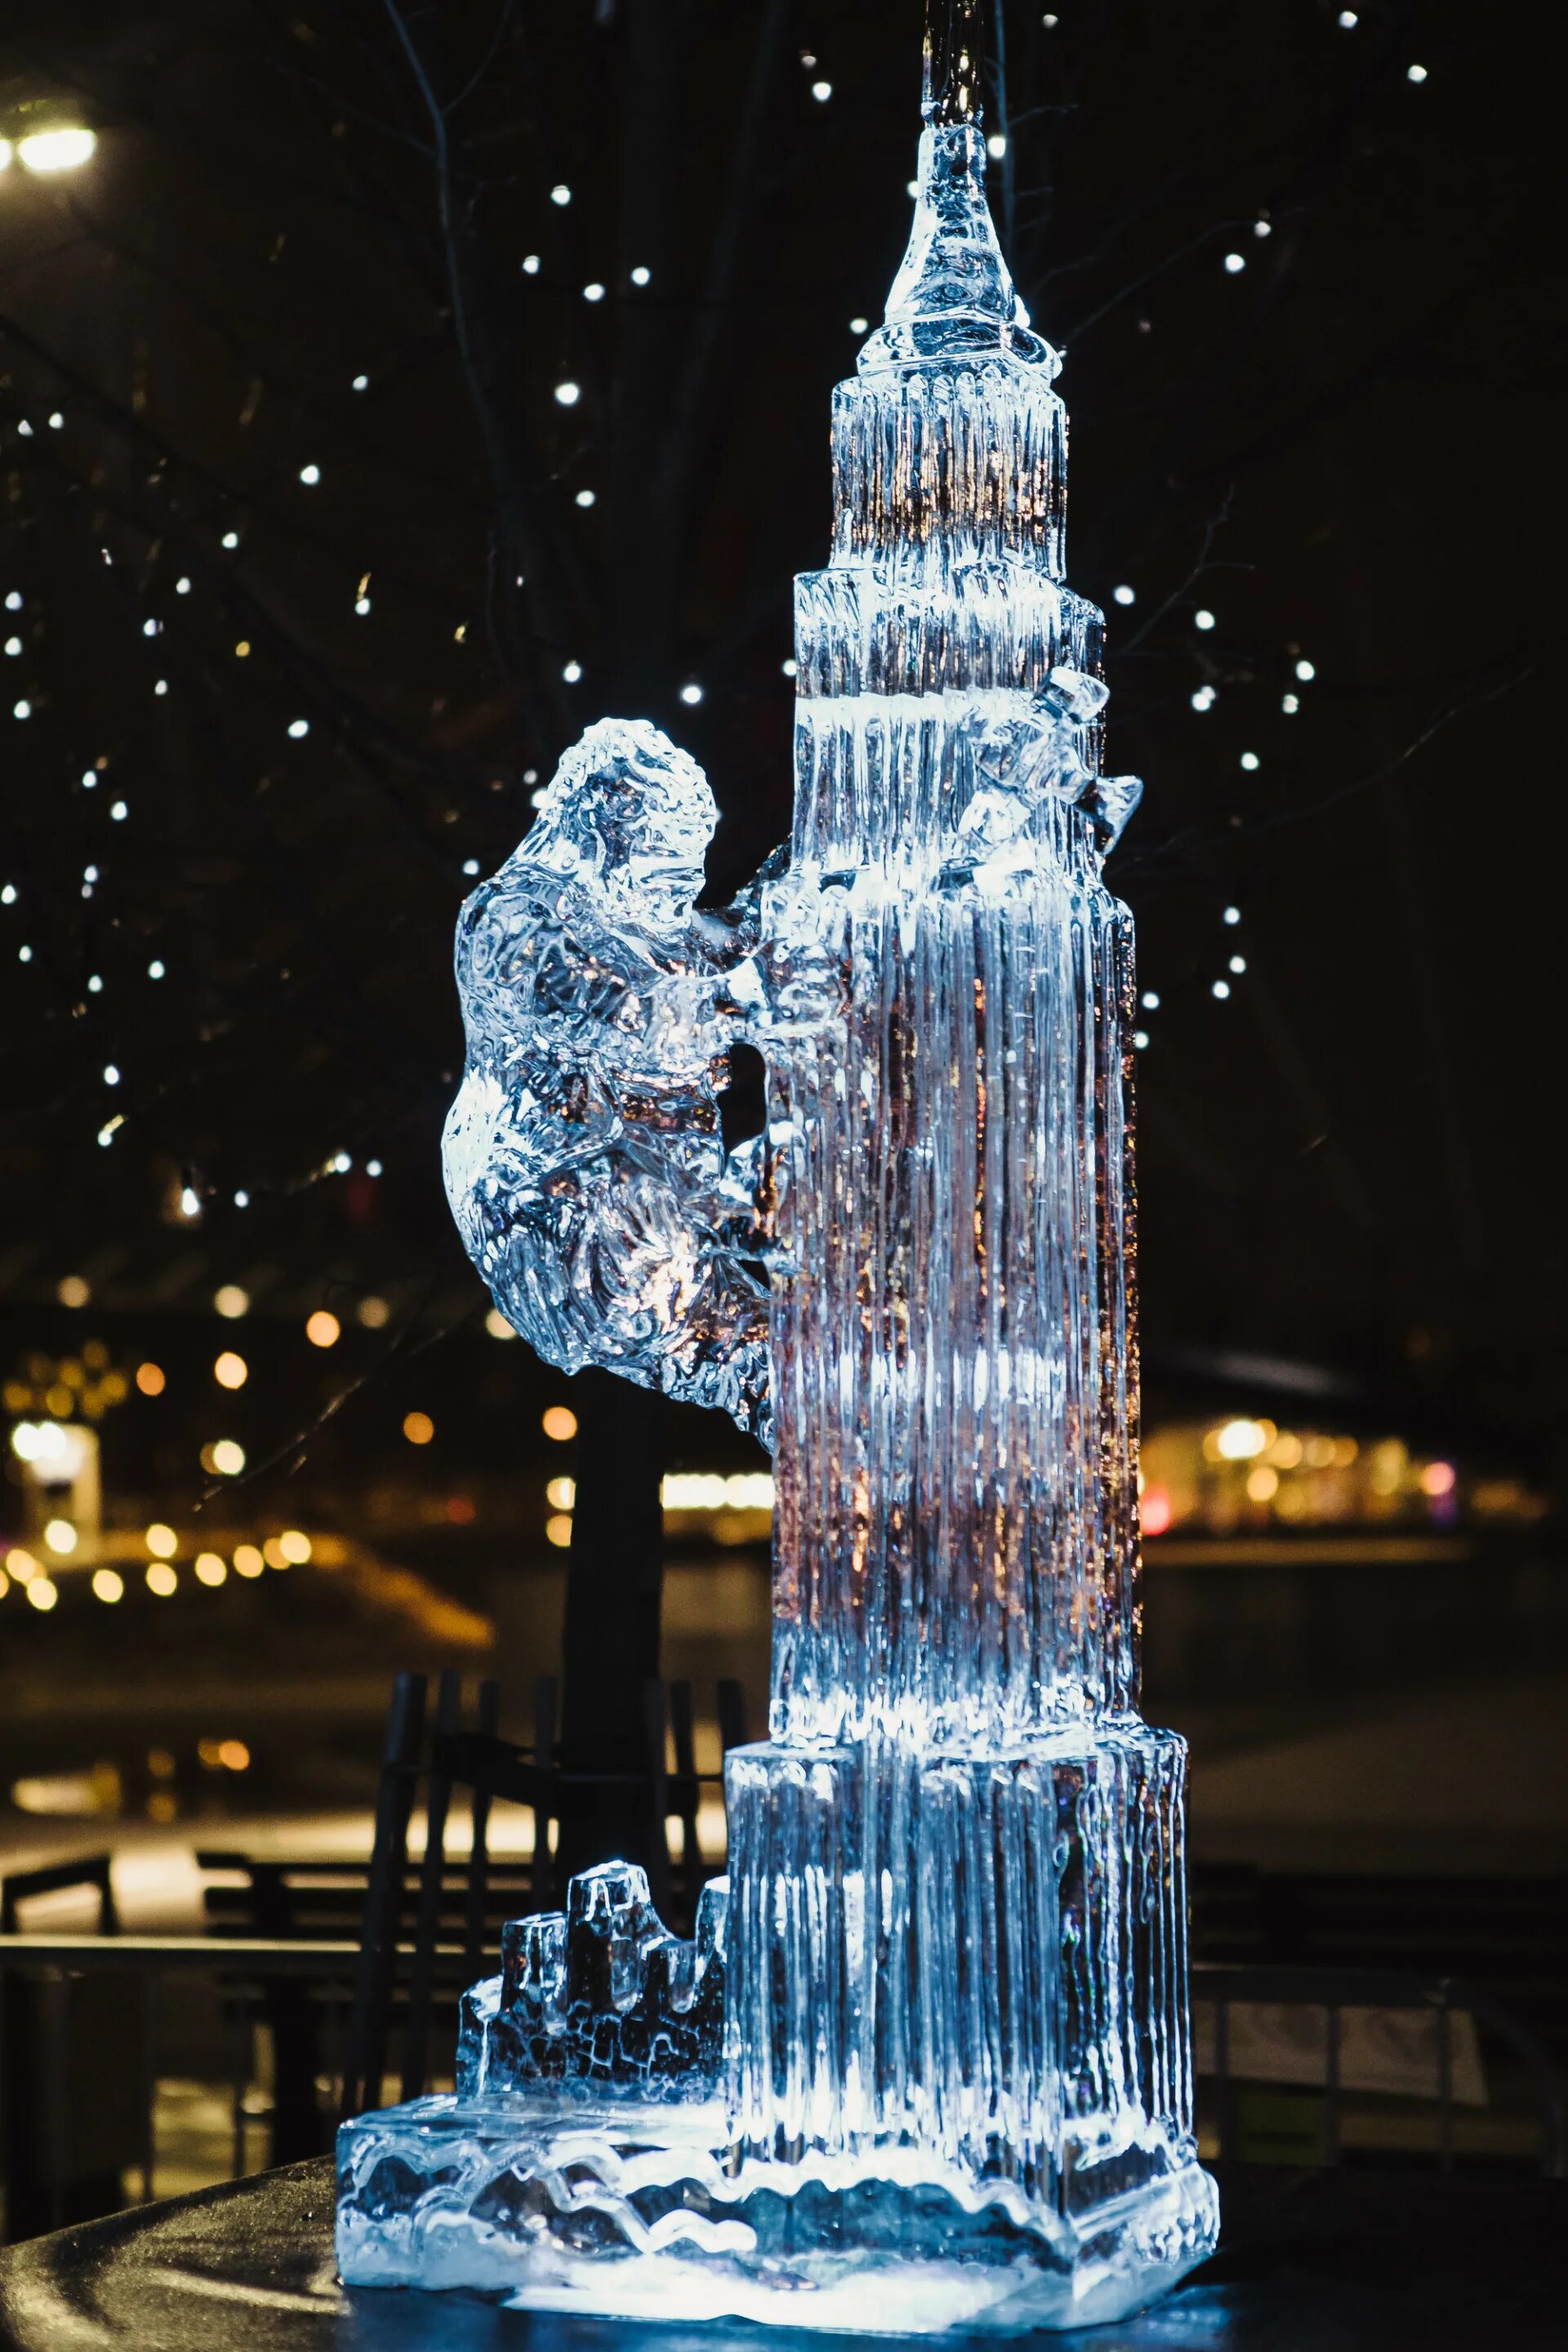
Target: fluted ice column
(953, 1357)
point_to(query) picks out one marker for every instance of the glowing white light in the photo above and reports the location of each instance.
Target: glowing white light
(1231, 915)
(13, 645)
(1139, 1039)
(1204, 698)
(822, 92)
(1124, 595)
(470, 864)
(162, 687)
(640, 277)
(22, 710)
(24, 955)
(791, 668)
(586, 498)
(299, 726)
(1262, 229)
(692, 693)
(309, 476)
(858, 326)
(1348, 19)
(182, 587)
(190, 1202)
(593, 293)
(531, 265)
(361, 384)
(1240, 1441)
(373, 1167)
(155, 969)
(997, 145)
(1221, 988)
(8, 896)
(1305, 671)
(56, 421)
(1249, 760)
(242, 1199)
(362, 605)
(111, 1074)
(231, 539)
(573, 672)
(227, 1457)
(1202, 618)
(568, 393)
(94, 984)
(1416, 73)
(13, 601)
(118, 811)
(1238, 964)
(1235, 261)
(57, 151)
(560, 193)
(1150, 1001)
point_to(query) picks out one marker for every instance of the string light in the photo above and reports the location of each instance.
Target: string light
(322, 1329)
(1221, 988)
(568, 393)
(822, 92)
(1231, 915)
(573, 672)
(1235, 262)
(593, 293)
(1416, 73)
(299, 728)
(560, 193)
(1204, 698)
(231, 1302)
(1124, 595)
(640, 275)
(531, 265)
(691, 692)
(1238, 964)
(361, 384)
(1249, 760)
(1305, 672)
(1202, 618)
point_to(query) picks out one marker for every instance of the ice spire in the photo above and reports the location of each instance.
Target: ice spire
(953, 298)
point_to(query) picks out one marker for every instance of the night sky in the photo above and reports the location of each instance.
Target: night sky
(1338, 450)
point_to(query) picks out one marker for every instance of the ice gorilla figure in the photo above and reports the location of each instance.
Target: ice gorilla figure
(584, 1158)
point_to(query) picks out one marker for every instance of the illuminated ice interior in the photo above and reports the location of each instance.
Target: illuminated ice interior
(927, 2062)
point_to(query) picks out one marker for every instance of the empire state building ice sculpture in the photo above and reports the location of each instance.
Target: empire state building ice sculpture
(926, 2062)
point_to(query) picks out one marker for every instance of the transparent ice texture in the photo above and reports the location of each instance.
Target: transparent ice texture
(955, 2086)
(582, 1154)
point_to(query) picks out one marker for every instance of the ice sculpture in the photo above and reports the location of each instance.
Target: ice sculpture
(927, 2064)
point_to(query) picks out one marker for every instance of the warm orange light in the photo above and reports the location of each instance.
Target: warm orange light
(231, 1371)
(295, 1546)
(1438, 1478)
(211, 1569)
(247, 1560)
(559, 1423)
(150, 1380)
(162, 1541)
(161, 1579)
(1156, 1511)
(558, 1529)
(234, 1755)
(418, 1428)
(322, 1330)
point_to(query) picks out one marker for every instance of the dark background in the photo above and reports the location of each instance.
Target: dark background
(1342, 450)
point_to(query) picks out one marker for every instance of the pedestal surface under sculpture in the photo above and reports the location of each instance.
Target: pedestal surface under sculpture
(927, 2062)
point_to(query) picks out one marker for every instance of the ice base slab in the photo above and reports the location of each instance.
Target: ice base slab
(638, 2211)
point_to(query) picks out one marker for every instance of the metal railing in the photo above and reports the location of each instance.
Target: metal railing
(1333, 1990)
